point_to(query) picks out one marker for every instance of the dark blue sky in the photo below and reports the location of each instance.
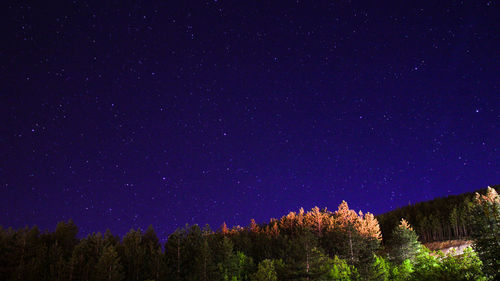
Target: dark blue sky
(122, 115)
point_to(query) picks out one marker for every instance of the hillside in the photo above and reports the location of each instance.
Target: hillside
(439, 219)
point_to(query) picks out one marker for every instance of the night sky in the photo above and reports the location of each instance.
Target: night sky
(121, 115)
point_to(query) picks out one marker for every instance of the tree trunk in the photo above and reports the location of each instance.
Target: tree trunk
(178, 258)
(307, 260)
(350, 246)
(21, 262)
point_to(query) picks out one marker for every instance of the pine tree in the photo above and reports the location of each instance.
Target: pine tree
(66, 237)
(339, 269)
(455, 222)
(85, 256)
(265, 271)
(206, 260)
(381, 269)
(227, 265)
(404, 243)
(133, 255)
(485, 218)
(223, 229)
(109, 268)
(176, 255)
(152, 254)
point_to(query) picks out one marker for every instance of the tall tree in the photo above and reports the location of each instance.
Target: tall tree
(151, 248)
(265, 271)
(109, 267)
(404, 243)
(485, 217)
(133, 255)
(381, 269)
(174, 254)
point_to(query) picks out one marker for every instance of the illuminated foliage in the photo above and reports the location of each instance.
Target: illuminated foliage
(404, 243)
(265, 271)
(485, 218)
(313, 245)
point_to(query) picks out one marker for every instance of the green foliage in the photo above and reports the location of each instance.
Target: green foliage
(381, 269)
(426, 266)
(485, 218)
(464, 267)
(339, 269)
(133, 254)
(265, 271)
(450, 267)
(404, 243)
(402, 272)
(317, 245)
(109, 268)
(439, 219)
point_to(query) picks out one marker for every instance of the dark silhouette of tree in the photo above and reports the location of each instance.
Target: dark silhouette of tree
(108, 267)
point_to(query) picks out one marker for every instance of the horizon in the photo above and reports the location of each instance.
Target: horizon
(214, 228)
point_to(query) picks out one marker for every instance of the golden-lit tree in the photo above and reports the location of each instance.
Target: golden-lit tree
(370, 227)
(254, 227)
(345, 217)
(315, 220)
(223, 229)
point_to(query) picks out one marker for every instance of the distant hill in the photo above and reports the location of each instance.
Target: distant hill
(439, 219)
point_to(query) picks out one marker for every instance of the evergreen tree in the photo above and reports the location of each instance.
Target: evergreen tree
(429, 266)
(402, 272)
(174, 254)
(381, 269)
(8, 253)
(265, 271)
(404, 243)
(85, 257)
(485, 218)
(109, 268)
(339, 269)
(194, 266)
(133, 255)
(151, 248)
(227, 266)
(66, 238)
(461, 268)
(426, 267)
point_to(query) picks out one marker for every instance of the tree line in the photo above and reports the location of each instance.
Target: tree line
(315, 245)
(440, 219)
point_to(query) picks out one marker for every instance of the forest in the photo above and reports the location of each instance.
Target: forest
(305, 245)
(436, 220)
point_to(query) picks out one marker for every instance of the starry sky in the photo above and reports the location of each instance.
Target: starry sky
(120, 115)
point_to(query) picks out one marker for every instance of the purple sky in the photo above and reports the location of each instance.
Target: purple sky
(121, 116)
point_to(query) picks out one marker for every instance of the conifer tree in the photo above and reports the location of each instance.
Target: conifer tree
(109, 268)
(404, 243)
(265, 271)
(152, 254)
(339, 269)
(174, 254)
(133, 255)
(485, 218)
(227, 260)
(381, 269)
